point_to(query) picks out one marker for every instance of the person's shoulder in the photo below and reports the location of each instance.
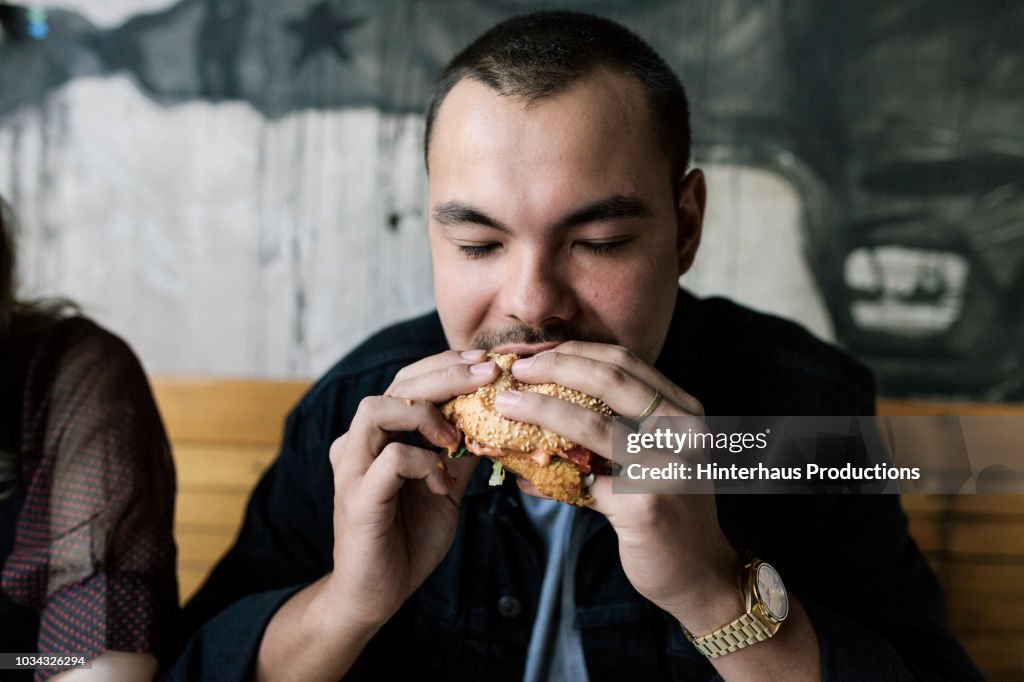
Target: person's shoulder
(784, 354)
(73, 368)
(74, 342)
(377, 359)
(783, 343)
(85, 333)
(92, 355)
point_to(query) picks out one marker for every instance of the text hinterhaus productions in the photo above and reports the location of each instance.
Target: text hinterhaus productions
(666, 440)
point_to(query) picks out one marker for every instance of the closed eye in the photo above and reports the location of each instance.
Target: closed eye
(603, 248)
(477, 250)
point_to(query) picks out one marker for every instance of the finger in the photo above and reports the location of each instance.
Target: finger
(438, 361)
(461, 470)
(616, 386)
(627, 360)
(444, 383)
(399, 463)
(604, 497)
(662, 471)
(585, 427)
(376, 422)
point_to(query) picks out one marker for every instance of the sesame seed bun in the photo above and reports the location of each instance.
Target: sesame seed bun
(475, 416)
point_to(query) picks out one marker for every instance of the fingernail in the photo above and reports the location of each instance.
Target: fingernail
(482, 368)
(472, 354)
(522, 364)
(506, 398)
(451, 481)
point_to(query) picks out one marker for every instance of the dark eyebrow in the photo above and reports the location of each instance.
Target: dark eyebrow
(610, 208)
(458, 213)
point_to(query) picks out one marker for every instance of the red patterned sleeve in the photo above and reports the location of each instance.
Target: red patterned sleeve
(94, 552)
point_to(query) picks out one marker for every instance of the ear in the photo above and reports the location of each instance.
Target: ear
(689, 218)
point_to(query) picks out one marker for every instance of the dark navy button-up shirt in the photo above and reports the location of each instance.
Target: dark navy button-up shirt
(874, 602)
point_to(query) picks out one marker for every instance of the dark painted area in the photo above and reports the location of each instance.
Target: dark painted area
(898, 122)
(321, 30)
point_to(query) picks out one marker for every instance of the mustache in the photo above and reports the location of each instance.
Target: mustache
(555, 333)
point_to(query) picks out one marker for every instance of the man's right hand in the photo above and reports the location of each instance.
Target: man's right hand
(396, 510)
(395, 505)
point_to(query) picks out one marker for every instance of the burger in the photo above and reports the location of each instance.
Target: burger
(556, 466)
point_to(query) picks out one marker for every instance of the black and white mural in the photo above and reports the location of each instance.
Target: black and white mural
(257, 166)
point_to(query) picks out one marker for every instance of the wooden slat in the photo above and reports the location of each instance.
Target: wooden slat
(210, 511)
(992, 577)
(226, 411)
(203, 548)
(997, 654)
(995, 506)
(981, 538)
(970, 613)
(221, 465)
(895, 407)
(1003, 676)
(969, 538)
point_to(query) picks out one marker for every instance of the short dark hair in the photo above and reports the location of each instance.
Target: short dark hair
(539, 55)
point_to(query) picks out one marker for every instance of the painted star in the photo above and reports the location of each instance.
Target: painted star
(321, 30)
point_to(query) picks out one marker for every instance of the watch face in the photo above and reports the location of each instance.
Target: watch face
(772, 591)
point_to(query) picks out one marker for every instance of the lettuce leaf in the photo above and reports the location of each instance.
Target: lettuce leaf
(497, 474)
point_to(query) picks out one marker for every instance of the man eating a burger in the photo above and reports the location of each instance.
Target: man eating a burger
(562, 213)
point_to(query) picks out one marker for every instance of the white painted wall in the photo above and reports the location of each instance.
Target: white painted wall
(193, 231)
(752, 250)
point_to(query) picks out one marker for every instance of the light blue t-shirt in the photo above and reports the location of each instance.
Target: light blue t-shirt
(555, 653)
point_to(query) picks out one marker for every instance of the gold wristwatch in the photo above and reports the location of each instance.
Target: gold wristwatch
(767, 606)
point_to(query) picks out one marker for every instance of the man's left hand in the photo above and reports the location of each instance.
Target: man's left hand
(671, 546)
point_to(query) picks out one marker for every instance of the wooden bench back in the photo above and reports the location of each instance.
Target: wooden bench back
(224, 434)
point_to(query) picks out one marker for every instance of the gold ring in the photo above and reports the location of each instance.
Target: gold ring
(655, 401)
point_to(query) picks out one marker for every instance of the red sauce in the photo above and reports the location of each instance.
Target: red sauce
(579, 455)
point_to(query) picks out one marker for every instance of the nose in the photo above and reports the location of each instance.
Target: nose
(536, 292)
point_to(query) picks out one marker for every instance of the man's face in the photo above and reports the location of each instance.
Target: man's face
(556, 220)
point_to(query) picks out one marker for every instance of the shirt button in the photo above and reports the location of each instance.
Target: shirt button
(509, 607)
